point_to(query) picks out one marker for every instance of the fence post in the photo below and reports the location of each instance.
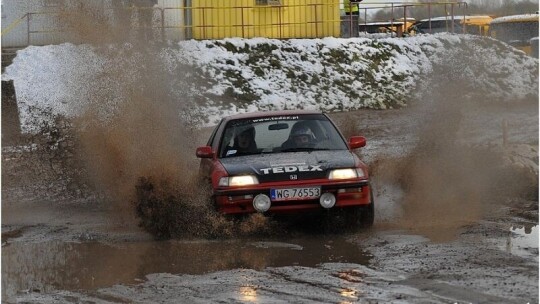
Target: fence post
(187, 23)
(316, 22)
(429, 15)
(446, 16)
(162, 24)
(28, 29)
(203, 22)
(465, 14)
(350, 20)
(392, 20)
(404, 20)
(365, 19)
(453, 19)
(280, 12)
(243, 26)
(505, 132)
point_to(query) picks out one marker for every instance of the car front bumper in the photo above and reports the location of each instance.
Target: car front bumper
(240, 200)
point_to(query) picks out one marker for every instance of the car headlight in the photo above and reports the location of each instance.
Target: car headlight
(346, 173)
(240, 180)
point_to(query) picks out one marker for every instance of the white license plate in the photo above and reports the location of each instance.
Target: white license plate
(295, 193)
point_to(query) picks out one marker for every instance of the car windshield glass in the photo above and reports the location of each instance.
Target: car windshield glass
(279, 134)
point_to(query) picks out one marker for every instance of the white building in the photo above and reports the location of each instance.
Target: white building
(41, 22)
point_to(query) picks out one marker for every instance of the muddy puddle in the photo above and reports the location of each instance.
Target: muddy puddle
(46, 266)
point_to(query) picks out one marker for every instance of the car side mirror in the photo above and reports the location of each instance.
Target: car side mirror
(356, 142)
(205, 152)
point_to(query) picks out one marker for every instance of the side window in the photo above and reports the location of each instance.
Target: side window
(267, 2)
(227, 140)
(212, 137)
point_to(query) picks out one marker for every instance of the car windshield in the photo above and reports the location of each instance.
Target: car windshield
(279, 134)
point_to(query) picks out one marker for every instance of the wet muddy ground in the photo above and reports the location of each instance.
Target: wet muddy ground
(76, 249)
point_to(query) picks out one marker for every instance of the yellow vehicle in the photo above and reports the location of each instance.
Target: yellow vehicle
(518, 31)
(399, 26)
(476, 25)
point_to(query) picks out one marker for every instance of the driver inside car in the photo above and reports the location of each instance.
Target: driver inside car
(301, 137)
(244, 143)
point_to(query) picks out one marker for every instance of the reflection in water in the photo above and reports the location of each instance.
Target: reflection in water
(349, 293)
(439, 232)
(523, 241)
(70, 266)
(249, 294)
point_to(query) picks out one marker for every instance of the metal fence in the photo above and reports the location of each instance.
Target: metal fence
(402, 15)
(211, 19)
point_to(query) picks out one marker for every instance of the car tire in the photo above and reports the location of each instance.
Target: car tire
(367, 213)
(362, 216)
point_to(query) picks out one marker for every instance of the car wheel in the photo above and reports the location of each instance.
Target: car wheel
(362, 216)
(367, 213)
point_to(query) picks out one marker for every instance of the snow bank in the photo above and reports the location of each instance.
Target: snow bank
(238, 75)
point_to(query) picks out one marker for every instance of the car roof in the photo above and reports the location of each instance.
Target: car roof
(270, 114)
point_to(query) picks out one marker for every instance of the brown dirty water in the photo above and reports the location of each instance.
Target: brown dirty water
(46, 266)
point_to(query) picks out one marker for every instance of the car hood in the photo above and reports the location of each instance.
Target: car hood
(289, 166)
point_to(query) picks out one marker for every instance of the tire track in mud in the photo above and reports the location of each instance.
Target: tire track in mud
(301, 282)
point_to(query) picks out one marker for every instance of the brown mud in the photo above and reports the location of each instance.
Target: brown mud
(79, 239)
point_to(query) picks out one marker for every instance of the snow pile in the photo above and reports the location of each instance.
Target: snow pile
(216, 78)
(486, 68)
(328, 74)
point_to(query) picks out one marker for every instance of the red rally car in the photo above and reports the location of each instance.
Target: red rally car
(286, 161)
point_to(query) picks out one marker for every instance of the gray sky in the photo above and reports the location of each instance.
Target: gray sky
(376, 3)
